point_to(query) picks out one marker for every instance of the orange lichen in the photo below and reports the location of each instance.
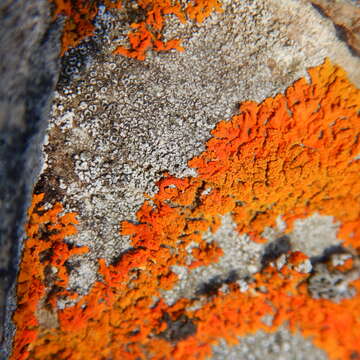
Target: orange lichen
(79, 15)
(199, 10)
(205, 254)
(291, 155)
(346, 266)
(148, 33)
(145, 35)
(44, 249)
(282, 294)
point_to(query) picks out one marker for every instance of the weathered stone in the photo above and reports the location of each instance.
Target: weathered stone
(118, 124)
(29, 67)
(346, 18)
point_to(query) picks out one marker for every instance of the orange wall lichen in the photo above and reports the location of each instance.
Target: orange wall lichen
(291, 155)
(148, 33)
(145, 35)
(79, 15)
(44, 251)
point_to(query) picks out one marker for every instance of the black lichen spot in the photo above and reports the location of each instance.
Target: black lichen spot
(212, 287)
(178, 329)
(276, 248)
(135, 15)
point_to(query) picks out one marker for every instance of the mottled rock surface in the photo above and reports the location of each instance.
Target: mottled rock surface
(117, 125)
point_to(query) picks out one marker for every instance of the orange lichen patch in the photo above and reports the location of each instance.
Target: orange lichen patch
(282, 294)
(145, 35)
(199, 10)
(346, 266)
(44, 249)
(297, 257)
(291, 155)
(79, 15)
(148, 33)
(205, 254)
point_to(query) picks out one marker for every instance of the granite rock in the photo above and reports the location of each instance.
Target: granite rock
(29, 70)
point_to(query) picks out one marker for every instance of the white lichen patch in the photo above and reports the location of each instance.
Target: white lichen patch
(280, 345)
(314, 234)
(311, 235)
(331, 283)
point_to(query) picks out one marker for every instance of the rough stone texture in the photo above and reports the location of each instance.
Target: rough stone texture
(28, 69)
(118, 124)
(281, 345)
(355, 2)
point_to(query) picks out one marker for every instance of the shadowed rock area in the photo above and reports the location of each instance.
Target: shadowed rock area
(29, 70)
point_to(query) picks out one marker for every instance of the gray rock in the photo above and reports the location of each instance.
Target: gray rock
(345, 15)
(29, 71)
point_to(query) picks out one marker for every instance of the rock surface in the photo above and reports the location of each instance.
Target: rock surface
(346, 18)
(117, 125)
(29, 70)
